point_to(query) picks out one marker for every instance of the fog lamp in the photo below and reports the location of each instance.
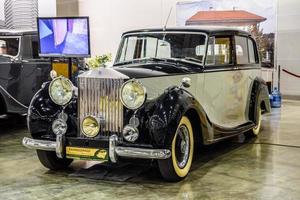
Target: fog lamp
(130, 133)
(59, 127)
(90, 126)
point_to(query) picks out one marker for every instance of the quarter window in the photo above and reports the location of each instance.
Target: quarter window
(241, 50)
(218, 52)
(245, 50)
(251, 51)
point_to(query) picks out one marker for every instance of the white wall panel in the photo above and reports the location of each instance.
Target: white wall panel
(110, 18)
(288, 45)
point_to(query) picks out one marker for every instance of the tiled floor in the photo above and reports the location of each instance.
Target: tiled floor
(264, 168)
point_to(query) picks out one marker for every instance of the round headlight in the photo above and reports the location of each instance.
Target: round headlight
(133, 94)
(90, 126)
(61, 91)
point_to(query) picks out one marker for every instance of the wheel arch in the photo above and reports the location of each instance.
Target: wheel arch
(193, 115)
(166, 117)
(259, 97)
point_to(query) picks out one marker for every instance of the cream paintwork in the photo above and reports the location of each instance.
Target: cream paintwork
(223, 95)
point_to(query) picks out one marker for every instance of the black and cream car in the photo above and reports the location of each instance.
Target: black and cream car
(168, 92)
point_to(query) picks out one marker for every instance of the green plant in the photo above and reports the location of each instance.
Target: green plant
(99, 61)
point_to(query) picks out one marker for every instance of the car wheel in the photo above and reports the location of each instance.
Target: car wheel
(51, 161)
(255, 131)
(178, 165)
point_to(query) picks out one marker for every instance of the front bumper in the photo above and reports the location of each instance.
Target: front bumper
(114, 150)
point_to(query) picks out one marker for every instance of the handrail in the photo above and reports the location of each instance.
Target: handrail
(290, 73)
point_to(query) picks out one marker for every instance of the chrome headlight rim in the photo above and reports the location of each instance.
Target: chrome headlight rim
(51, 95)
(144, 90)
(98, 126)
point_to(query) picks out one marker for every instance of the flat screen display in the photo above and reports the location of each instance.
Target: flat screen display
(64, 37)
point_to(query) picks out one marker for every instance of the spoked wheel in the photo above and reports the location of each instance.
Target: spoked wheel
(255, 131)
(178, 165)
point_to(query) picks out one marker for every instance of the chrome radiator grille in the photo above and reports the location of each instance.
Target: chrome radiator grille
(100, 98)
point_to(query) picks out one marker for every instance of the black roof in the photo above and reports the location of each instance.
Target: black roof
(6, 32)
(210, 30)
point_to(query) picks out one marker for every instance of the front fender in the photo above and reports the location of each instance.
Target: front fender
(169, 109)
(42, 112)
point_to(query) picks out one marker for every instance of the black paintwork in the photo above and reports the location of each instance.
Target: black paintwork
(43, 112)
(147, 69)
(21, 76)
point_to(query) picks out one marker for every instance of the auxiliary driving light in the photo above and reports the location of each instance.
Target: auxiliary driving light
(90, 126)
(130, 133)
(59, 127)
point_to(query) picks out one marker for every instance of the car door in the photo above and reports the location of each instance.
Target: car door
(223, 84)
(10, 65)
(35, 70)
(247, 62)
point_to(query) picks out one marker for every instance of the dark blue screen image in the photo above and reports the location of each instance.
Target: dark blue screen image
(64, 37)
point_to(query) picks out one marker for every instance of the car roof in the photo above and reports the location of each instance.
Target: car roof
(8, 32)
(210, 30)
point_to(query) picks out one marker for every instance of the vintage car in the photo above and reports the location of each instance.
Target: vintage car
(169, 92)
(22, 72)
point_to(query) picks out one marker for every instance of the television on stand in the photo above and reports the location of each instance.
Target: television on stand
(64, 37)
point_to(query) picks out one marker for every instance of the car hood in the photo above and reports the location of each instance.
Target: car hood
(139, 71)
(153, 70)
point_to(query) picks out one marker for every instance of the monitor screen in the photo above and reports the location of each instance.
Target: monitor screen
(64, 37)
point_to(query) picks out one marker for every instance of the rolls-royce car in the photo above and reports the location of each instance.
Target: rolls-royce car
(169, 92)
(22, 71)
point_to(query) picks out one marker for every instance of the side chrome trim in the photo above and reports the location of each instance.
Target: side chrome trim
(9, 95)
(39, 144)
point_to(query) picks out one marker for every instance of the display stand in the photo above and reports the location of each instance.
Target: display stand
(70, 68)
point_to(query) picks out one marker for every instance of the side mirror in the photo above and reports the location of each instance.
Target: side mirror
(186, 82)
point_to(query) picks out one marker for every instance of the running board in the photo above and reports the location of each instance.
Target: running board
(226, 133)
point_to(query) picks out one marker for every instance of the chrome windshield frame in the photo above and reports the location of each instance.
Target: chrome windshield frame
(160, 32)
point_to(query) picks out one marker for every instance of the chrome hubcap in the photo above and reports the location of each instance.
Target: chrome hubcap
(182, 146)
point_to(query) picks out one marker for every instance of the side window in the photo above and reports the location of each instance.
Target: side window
(252, 47)
(241, 48)
(218, 52)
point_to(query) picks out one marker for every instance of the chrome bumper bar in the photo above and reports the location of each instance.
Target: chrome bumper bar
(114, 150)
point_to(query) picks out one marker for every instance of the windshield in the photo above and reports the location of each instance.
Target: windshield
(184, 46)
(9, 46)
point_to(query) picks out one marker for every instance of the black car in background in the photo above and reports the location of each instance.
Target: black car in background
(22, 71)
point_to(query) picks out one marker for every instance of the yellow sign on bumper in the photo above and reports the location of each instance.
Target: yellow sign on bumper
(86, 153)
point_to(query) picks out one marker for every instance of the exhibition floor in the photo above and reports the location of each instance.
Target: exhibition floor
(264, 168)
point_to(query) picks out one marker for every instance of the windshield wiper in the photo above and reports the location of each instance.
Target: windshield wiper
(193, 59)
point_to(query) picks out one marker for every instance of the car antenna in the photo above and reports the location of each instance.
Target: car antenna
(165, 27)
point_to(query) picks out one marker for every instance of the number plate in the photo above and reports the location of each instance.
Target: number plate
(86, 153)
